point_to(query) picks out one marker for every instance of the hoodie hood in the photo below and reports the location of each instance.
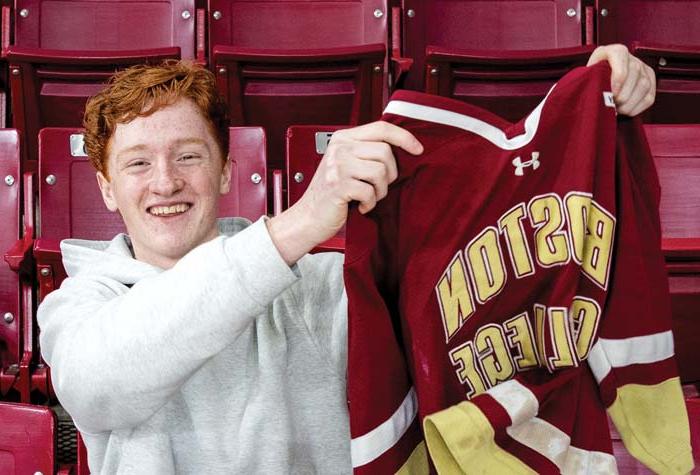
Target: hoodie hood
(115, 258)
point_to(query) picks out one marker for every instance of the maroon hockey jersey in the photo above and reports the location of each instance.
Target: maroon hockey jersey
(509, 290)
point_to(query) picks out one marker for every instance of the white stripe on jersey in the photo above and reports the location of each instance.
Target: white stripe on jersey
(607, 354)
(374, 443)
(470, 124)
(554, 444)
(519, 402)
(543, 437)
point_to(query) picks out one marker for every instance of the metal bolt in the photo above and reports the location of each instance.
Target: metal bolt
(662, 62)
(51, 179)
(24, 13)
(15, 71)
(255, 178)
(217, 15)
(9, 180)
(13, 369)
(378, 13)
(571, 12)
(8, 317)
(604, 12)
(298, 177)
(411, 13)
(377, 69)
(186, 15)
(222, 70)
(433, 71)
(45, 271)
(38, 473)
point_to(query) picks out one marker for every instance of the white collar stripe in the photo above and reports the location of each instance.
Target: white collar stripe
(454, 119)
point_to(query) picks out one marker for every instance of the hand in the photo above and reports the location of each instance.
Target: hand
(358, 166)
(633, 82)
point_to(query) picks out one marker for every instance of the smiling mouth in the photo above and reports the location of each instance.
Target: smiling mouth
(169, 210)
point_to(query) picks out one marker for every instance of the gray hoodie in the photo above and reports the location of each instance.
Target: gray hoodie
(230, 362)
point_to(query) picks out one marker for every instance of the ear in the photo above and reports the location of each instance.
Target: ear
(225, 184)
(107, 192)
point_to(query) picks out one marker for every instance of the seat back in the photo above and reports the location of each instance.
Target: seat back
(671, 22)
(71, 205)
(27, 439)
(106, 25)
(297, 24)
(276, 89)
(11, 325)
(50, 87)
(676, 151)
(486, 25)
(306, 145)
(508, 83)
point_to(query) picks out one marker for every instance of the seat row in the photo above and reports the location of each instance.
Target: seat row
(305, 62)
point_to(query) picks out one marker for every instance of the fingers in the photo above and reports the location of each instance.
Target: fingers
(633, 83)
(382, 132)
(617, 57)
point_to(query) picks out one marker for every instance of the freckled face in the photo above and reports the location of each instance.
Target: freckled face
(166, 174)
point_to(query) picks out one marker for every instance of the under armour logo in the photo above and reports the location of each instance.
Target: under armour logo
(519, 165)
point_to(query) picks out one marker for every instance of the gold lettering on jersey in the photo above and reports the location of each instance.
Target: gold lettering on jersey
(562, 339)
(465, 359)
(511, 226)
(555, 339)
(521, 338)
(547, 217)
(585, 314)
(494, 355)
(486, 266)
(454, 297)
(592, 230)
(560, 230)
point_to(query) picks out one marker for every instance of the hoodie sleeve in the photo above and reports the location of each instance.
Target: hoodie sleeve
(118, 355)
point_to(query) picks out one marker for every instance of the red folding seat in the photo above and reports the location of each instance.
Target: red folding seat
(505, 25)
(109, 25)
(27, 439)
(17, 332)
(665, 34)
(670, 22)
(50, 87)
(306, 145)
(300, 62)
(508, 83)
(70, 203)
(676, 151)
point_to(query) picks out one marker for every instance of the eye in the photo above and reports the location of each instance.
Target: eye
(136, 163)
(189, 158)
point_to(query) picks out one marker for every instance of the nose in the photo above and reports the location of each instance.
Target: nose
(165, 178)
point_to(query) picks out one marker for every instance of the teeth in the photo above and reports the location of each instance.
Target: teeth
(168, 210)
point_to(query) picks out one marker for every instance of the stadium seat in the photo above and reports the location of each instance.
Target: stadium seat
(17, 335)
(677, 82)
(109, 25)
(508, 83)
(305, 148)
(670, 22)
(70, 203)
(301, 62)
(50, 87)
(482, 25)
(27, 439)
(277, 89)
(676, 151)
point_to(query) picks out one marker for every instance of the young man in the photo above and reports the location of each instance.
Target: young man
(195, 347)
